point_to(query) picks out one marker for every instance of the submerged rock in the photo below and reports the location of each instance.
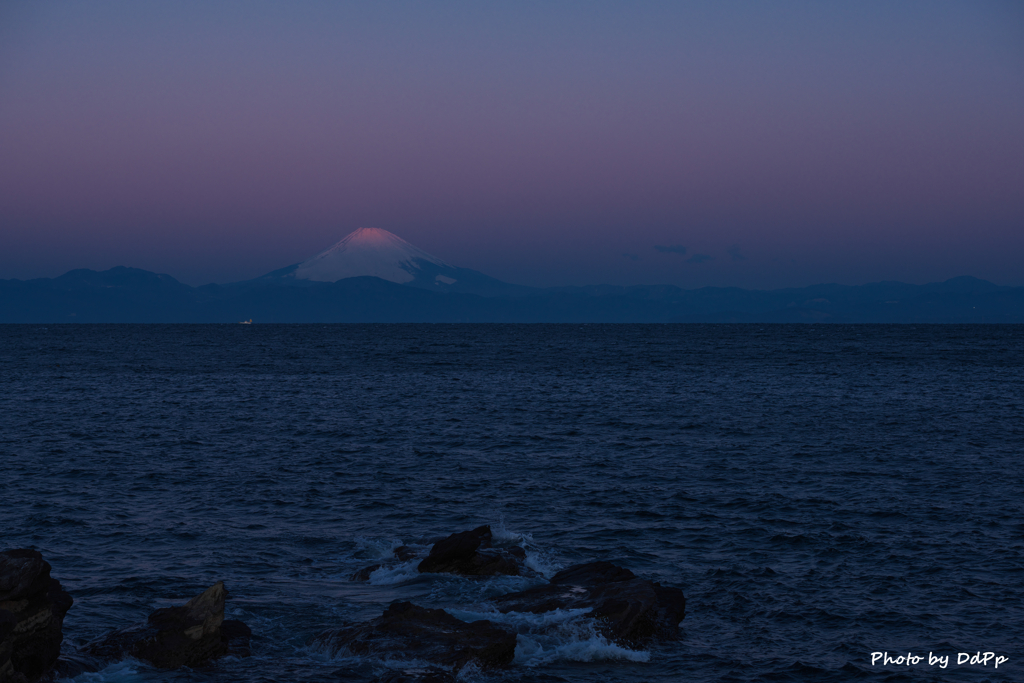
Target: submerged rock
(364, 573)
(32, 609)
(430, 635)
(190, 635)
(469, 553)
(402, 553)
(627, 610)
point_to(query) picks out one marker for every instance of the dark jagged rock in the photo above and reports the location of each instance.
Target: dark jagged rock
(190, 635)
(470, 553)
(32, 609)
(627, 610)
(431, 635)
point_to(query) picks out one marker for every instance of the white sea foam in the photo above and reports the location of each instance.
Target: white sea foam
(531, 651)
(387, 576)
(411, 664)
(472, 672)
(542, 563)
(561, 634)
(539, 561)
(501, 534)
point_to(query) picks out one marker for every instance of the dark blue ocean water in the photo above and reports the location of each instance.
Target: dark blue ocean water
(819, 492)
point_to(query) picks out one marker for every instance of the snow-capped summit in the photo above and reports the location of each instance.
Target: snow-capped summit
(372, 252)
(368, 251)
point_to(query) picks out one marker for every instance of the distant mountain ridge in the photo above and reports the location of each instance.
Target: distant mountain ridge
(372, 275)
(129, 295)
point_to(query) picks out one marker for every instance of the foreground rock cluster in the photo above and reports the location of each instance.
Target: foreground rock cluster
(619, 606)
(32, 609)
(623, 608)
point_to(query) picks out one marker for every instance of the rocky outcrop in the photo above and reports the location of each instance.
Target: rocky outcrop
(469, 553)
(430, 635)
(32, 609)
(627, 610)
(190, 635)
(621, 607)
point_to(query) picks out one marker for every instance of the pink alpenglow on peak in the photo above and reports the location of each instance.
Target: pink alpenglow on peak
(367, 252)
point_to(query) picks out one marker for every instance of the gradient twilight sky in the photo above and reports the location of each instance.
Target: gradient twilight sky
(543, 143)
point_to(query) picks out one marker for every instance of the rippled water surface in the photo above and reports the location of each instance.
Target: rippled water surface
(819, 492)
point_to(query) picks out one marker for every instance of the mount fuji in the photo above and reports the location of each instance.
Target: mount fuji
(373, 252)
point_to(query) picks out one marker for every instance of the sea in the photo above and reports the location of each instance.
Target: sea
(822, 494)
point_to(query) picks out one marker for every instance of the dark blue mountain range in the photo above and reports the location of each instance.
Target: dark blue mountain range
(129, 295)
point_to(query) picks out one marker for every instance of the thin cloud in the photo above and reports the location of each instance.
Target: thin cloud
(632, 257)
(676, 249)
(700, 258)
(735, 253)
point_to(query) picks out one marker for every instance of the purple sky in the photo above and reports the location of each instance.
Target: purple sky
(782, 144)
